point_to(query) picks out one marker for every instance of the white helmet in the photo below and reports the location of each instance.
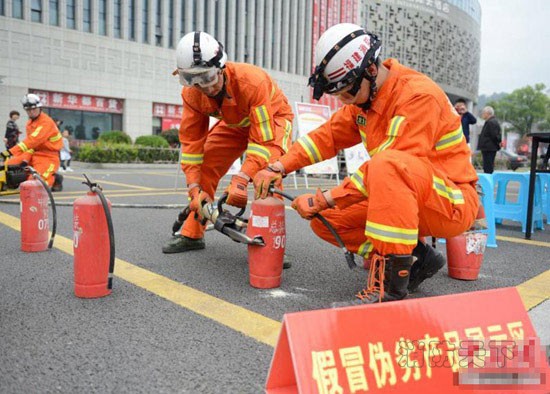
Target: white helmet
(342, 55)
(31, 100)
(199, 57)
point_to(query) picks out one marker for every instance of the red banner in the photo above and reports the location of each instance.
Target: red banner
(167, 110)
(170, 123)
(447, 344)
(80, 102)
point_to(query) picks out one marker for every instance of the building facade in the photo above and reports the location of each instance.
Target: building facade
(107, 64)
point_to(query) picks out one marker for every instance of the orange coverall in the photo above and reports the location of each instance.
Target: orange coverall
(419, 181)
(255, 118)
(40, 148)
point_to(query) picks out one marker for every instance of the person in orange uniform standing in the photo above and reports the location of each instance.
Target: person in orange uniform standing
(419, 181)
(40, 149)
(254, 119)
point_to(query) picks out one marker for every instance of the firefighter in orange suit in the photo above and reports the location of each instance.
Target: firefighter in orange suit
(254, 119)
(419, 181)
(40, 149)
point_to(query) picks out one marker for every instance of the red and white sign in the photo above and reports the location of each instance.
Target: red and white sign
(161, 110)
(80, 102)
(170, 123)
(428, 345)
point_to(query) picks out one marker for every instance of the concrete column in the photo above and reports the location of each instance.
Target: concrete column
(278, 38)
(164, 20)
(151, 21)
(124, 19)
(95, 16)
(139, 20)
(199, 12)
(222, 18)
(231, 29)
(250, 54)
(177, 22)
(294, 37)
(258, 37)
(211, 19)
(268, 20)
(285, 36)
(308, 50)
(27, 10)
(189, 16)
(241, 30)
(301, 34)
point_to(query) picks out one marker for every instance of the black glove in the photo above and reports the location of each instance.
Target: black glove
(6, 154)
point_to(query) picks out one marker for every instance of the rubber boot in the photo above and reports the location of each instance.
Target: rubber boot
(179, 243)
(428, 262)
(392, 287)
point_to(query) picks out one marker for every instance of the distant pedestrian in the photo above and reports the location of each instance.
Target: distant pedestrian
(66, 153)
(11, 137)
(465, 117)
(490, 139)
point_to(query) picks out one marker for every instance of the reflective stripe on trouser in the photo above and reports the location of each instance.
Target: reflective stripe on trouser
(401, 195)
(223, 146)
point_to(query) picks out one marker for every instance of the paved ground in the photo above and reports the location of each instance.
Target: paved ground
(188, 322)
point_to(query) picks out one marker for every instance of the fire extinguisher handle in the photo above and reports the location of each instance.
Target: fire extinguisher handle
(222, 201)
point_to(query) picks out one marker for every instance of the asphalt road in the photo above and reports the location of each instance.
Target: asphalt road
(181, 323)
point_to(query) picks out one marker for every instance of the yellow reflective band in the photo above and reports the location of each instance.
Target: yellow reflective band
(392, 133)
(287, 136)
(364, 249)
(264, 122)
(35, 132)
(192, 158)
(243, 123)
(311, 149)
(46, 174)
(397, 235)
(258, 150)
(363, 137)
(450, 139)
(56, 137)
(23, 147)
(357, 179)
(455, 196)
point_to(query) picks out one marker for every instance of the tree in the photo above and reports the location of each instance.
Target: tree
(524, 108)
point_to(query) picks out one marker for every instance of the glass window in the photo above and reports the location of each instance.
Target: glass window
(158, 24)
(36, 10)
(132, 20)
(102, 17)
(54, 12)
(71, 23)
(87, 16)
(84, 125)
(117, 11)
(17, 9)
(145, 20)
(2, 8)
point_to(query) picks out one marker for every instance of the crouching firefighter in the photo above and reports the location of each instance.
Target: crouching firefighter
(419, 181)
(40, 149)
(254, 119)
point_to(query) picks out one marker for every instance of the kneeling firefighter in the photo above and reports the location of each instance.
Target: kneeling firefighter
(419, 181)
(40, 149)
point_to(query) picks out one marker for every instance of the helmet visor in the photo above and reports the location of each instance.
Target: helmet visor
(204, 79)
(338, 86)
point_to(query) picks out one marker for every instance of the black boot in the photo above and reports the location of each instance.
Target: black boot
(179, 243)
(428, 262)
(391, 285)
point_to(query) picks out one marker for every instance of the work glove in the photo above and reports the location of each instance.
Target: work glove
(237, 194)
(308, 205)
(5, 154)
(265, 178)
(198, 199)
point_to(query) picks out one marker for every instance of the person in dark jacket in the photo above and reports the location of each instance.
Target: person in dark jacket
(11, 138)
(490, 139)
(465, 117)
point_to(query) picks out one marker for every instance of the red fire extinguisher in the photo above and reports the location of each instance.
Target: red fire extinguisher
(33, 197)
(93, 244)
(265, 263)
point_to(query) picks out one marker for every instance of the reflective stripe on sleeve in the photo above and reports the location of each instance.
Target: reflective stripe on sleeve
(364, 249)
(357, 179)
(453, 195)
(395, 235)
(23, 147)
(192, 158)
(393, 130)
(243, 123)
(258, 150)
(36, 132)
(450, 139)
(311, 149)
(264, 123)
(287, 136)
(56, 137)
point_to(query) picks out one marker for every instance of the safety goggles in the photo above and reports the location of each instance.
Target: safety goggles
(204, 79)
(339, 86)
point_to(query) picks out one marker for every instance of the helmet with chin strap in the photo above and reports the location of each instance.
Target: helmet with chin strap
(343, 55)
(199, 57)
(31, 101)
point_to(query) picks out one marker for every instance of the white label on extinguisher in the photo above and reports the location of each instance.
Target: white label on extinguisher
(260, 221)
(475, 242)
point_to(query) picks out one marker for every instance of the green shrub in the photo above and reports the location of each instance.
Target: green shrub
(125, 153)
(153, 141)
(172, 136)
(114, 137)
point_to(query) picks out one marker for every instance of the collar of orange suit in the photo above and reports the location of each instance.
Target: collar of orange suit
(385, 91)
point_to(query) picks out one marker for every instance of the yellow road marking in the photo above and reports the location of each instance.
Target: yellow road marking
(103, 182)
(240, 319)
(523, 241)
(535, 291)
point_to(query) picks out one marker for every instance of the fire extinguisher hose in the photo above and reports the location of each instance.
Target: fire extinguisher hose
(348, 255)
(94, 187)
(37, 176)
